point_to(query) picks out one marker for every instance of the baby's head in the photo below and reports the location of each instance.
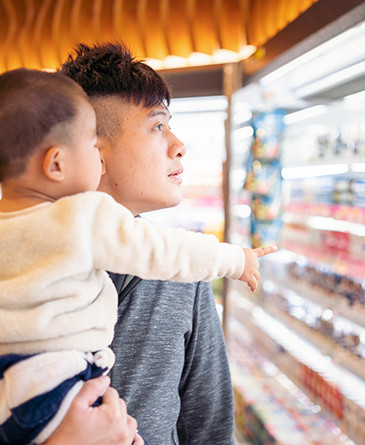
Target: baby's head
(47, 117)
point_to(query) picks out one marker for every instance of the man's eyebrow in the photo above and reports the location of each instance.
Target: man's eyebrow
(155, 113)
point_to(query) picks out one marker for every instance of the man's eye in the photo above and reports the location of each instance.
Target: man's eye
(159, 127)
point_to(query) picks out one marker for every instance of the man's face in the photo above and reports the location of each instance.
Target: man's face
(143, 163)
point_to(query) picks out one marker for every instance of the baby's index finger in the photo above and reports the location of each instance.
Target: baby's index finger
(262, 251)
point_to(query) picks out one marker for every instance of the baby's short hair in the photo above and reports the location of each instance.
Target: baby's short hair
(34, 104)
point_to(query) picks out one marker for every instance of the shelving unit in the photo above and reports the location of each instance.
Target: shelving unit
(287, 318)
(300, 308)
(308, 317)
(273, 350)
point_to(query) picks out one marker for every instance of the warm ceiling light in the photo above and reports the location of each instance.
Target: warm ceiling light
(174, 62)
(220, 56)
(246, 51)
(156, 64)
(225, 56)
(197, 58)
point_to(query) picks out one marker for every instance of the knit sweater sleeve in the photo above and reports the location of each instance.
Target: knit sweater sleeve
(124, 244)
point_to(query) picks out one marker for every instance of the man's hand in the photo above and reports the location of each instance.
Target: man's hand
(251, 272)
(106, 424)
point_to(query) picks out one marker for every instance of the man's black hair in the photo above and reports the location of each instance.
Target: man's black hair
(110, 69)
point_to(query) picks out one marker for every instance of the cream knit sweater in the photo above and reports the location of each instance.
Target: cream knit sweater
(54, 293)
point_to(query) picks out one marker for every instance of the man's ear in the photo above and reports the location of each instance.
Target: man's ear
(53, 165)
(104, 147)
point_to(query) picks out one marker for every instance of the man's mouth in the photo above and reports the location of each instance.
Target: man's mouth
(177, 175)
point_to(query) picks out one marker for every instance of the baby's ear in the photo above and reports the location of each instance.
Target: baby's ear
(53, 164)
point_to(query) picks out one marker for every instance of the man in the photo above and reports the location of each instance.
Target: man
(171, 363)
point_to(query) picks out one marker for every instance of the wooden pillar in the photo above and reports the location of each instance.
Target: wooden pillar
(231, 82)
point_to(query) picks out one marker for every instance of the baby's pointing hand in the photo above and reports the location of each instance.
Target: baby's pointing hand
(251, 272)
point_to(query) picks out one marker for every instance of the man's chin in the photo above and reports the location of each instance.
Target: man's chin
(175, 202)
(167, 204)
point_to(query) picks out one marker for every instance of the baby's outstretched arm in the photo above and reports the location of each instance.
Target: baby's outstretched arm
(251, 272)
(120, 243)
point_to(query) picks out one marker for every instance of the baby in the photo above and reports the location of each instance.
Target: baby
(58, 235)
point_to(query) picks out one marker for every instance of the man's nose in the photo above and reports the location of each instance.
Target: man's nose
(177, 148)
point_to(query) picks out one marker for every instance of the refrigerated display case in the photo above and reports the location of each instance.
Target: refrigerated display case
(297, 346)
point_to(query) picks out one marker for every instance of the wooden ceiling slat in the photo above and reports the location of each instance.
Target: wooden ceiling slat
(253, 31)
(268, 17)
(96, 11)
(58, 30)
(84, 26)
(179, 36)
(190, 13)
(142, 24)
(53, 34)
(3, 24)
(117, 18)
(41, 37)
(152, 23)
(204, 27)
(66, 30)
(164, 13)
(275, 13)
(12, 23)
(245, 17)
(75, 21)
(294, 9)
(103, 11)
(232, 15)
(40, 33)
(26, 50)
(127, 30)
(304, 5)
(287, 15)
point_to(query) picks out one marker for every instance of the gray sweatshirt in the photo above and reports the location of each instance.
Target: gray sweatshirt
(171, 363)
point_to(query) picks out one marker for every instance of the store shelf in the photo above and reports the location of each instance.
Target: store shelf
(324, 167)
(278, 265)
(302, 305)
(339, 212)
(337, 304)
(317, 250)
(272, 409)
(326, 345)
(329, 223)
(293, 354)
